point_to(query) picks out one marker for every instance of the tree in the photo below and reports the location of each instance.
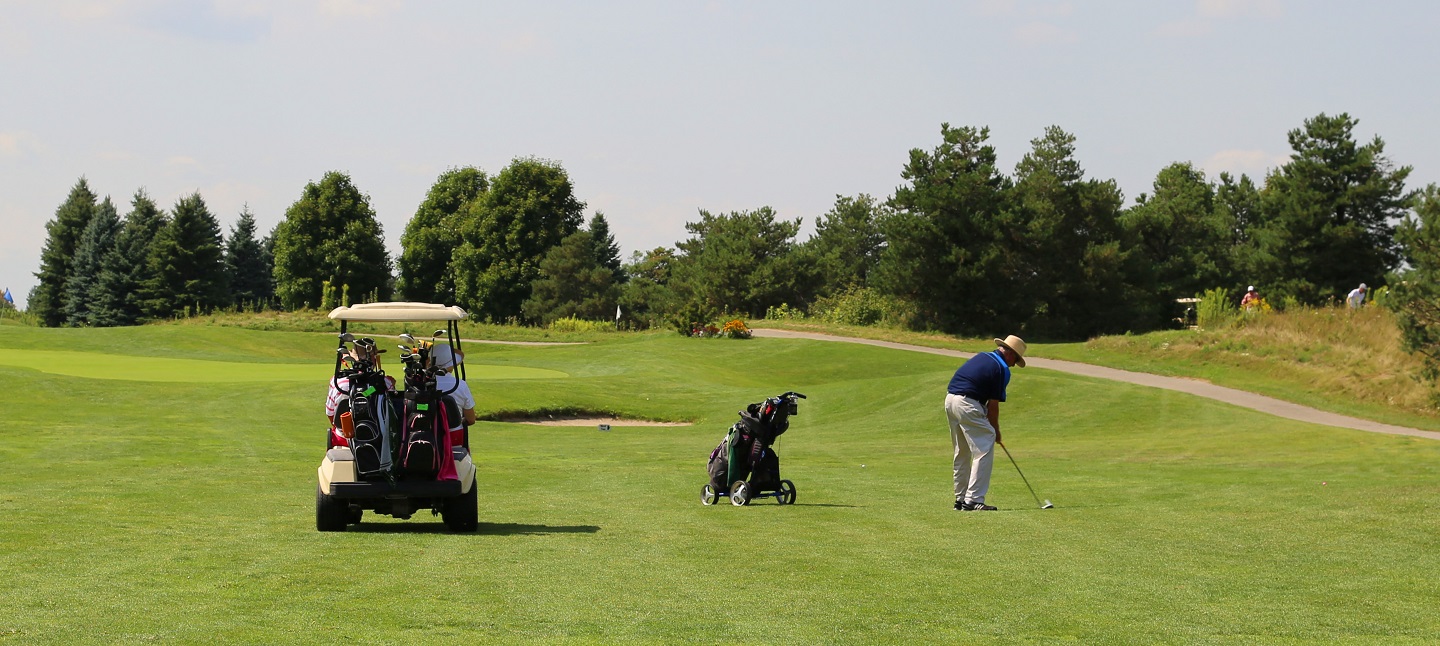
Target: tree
(741, 262)
(329, 234)
(115, 296)
(949, 245)
(573, 282)
(646, 298)
(1416, 296)
(606, 251)
(97, 241)
(847, 243)
(245, 261)
(430, 238)
(1078, 267)
(1327, 215)
(186, 266)
(529, 208)
(47, 300)
(1184, 236)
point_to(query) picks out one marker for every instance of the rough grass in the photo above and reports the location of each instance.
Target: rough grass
(181, 513)
(1334, 359)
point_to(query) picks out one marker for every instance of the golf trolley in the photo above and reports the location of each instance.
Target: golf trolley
(745, 467)
(395, 452)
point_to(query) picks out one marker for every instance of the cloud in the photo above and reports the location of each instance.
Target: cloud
(19, 144)
(1240, 8)
(359, 8)
(1251, 162)
(1043, 34)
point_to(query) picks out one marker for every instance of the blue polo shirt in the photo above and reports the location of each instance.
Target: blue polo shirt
(983, 377)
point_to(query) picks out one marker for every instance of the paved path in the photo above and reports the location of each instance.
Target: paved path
(1192, 386)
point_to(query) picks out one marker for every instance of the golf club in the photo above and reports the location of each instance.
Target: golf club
(1046, 504)
(407, 338)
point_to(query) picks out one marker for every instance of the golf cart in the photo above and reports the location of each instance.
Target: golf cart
(395, 450)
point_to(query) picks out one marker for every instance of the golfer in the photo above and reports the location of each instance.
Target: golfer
(973, 408)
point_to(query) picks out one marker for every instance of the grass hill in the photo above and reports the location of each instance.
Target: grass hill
(1334, 359)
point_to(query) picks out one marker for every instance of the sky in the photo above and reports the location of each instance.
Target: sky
(659, 109)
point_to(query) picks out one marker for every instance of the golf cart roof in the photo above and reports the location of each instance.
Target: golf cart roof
(391, 312)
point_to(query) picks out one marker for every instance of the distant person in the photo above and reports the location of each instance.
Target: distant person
(444, 357)
(972, 404)
(1356, 297)
(1250, 299)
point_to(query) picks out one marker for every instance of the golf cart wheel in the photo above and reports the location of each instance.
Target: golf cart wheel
(356, 513)
(462, 514)
(708, 496)
(740, 494)
(787, 493)
(330, 514)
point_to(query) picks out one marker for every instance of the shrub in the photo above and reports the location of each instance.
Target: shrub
(572, 324)
(735, 329)
(863, 306)
(1216, 310)
(784, 313)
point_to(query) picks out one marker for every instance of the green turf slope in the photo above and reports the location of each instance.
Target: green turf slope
(135, 511)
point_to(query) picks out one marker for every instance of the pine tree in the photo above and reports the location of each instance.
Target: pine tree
(95, 243)
(1416, 297)
(47, 300)
(572, 283)
(115, 297)
(606, 251)
(186, 263)
(245, 263)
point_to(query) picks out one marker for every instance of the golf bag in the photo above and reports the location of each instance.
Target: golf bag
(368, 405)
(746, 452)
(424, 433)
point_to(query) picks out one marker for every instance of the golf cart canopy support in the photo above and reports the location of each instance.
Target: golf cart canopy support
(397, 312)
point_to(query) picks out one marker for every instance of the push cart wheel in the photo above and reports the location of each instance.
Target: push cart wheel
(740, 494)
(708, 495)
(787, 493)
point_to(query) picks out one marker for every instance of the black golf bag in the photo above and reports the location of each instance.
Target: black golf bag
(368, 402)
(747, 452)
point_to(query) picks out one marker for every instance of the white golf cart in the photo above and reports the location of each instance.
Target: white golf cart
(369, 469)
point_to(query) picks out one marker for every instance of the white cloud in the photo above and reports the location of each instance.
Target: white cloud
(359, 8)
(1240, 8)
(183, 161)
(1188, 28)
(19, 144)
(1254, 163)
(1044, 33)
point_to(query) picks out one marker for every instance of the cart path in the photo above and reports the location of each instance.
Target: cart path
(1241, 398)
(463, 340)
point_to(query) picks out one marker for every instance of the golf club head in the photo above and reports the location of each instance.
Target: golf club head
(407, 338)
(347, 337)
(1047, 505)
(438, 333)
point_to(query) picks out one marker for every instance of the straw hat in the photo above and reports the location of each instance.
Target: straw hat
(1016, 345)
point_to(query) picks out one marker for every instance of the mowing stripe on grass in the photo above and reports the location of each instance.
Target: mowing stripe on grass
(95, 365)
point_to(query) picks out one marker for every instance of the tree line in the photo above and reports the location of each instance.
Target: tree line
(961, 246)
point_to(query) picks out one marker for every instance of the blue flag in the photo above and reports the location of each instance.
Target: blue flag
(8, 298)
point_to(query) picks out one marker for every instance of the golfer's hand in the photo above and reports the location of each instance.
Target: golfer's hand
(998, 440)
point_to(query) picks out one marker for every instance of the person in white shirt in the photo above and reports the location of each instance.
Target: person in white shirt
(1356, 297)
(444, 357)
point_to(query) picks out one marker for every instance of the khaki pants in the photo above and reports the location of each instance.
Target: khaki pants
(974, 440)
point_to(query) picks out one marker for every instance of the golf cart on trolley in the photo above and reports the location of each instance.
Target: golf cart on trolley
(390, 450)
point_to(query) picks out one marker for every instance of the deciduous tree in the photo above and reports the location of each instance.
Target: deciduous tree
(429, 241)
(529, 208)
(330, 234)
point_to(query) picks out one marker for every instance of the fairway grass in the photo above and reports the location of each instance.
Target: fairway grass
(142, 511)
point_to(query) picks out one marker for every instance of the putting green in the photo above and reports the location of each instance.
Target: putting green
(94, 365)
